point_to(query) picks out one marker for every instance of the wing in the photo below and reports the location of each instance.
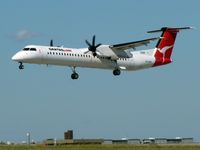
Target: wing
(125, 46)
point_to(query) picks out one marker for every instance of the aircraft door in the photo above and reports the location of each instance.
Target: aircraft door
(41, 54)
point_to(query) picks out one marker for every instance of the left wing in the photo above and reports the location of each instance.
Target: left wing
(125, 46)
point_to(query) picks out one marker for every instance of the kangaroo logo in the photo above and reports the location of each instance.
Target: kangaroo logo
(164, 49)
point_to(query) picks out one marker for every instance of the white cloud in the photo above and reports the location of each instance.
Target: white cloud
(25, 34)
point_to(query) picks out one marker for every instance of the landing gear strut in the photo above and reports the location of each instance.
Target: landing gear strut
(74, 75)
(21, 66)
(116, 72)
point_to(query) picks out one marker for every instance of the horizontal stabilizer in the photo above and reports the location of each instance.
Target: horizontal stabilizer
(168, 28)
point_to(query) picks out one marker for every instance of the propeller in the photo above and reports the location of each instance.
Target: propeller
(51, 43)
(92, 47)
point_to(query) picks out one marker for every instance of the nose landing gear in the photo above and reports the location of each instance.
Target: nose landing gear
(74, 75)
(21, 66)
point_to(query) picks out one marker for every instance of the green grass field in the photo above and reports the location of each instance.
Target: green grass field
(104, 147)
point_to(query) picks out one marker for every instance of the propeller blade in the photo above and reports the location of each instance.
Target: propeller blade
(51, 43)
(92, 47)
(93, 41)
(86, 41)
(98, 45)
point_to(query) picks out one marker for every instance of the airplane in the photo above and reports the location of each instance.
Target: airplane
(117, 57)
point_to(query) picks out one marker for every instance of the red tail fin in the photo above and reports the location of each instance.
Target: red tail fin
(165, 45)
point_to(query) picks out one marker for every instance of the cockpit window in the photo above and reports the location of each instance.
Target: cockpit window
(29, 49)
(25, 49)
(32, 49)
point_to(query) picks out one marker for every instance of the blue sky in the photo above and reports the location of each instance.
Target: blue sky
(158, 102)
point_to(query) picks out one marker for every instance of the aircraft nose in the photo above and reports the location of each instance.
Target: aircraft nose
(17, 57)
(14, 58)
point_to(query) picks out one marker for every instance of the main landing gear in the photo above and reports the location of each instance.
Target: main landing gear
(116, 72)
(21, 66)
(74, 75)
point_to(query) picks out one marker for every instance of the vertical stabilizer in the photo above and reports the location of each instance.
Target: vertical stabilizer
(165, 45)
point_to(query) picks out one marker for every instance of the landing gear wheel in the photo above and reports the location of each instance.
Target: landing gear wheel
(116, 72)
(74, 76)
(21, 66)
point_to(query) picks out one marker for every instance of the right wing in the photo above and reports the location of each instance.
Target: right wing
(125, 46)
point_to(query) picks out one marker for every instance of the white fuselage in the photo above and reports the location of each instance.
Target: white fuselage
(79, 58)
(116, 57)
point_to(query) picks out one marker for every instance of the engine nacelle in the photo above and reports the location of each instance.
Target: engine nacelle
(106, 51)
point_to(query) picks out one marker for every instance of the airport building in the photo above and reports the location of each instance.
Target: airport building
(68, 139)
(177, 140)
(128, 141)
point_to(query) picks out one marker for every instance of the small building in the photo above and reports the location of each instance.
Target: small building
(88, 141)
(134, 141)
(148, 141)
(49, 141)
(160, 141)
(68, 135)
(187, 140)
(107, 141)
(119, 141)
(174, 141)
